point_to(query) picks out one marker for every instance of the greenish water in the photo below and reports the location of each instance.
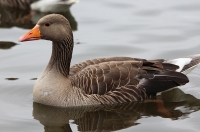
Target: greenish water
(144, 29)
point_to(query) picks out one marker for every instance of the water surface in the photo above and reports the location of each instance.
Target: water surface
(144, 29)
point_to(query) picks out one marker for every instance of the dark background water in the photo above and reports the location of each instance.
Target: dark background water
(144, 29)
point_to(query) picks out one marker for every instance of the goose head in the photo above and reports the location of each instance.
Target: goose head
(53, 27)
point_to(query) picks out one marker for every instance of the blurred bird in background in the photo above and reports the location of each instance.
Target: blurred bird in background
(26, 13)
(54, 6)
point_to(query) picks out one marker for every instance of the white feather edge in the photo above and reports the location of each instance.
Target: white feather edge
(51, 5)
(181, 62)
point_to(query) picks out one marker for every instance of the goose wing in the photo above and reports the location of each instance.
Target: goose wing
(130, 75)
(103, 77)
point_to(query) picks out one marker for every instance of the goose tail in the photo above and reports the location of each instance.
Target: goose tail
(186, 64)
(155, 83)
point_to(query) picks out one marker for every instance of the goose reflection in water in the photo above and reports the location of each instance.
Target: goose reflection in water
(112, 118)
(5, 45)
(19, 13)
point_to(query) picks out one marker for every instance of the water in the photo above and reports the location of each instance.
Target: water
(143, 29)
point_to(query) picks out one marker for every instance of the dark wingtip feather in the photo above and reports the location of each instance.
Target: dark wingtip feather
(170, 67)
(161, 82)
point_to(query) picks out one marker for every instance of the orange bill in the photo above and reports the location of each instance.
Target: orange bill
(34, 34)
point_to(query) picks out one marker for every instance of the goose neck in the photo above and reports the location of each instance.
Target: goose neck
(61, 56)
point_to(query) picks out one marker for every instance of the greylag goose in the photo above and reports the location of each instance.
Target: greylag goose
(18, 12)
(99, 81)
(14, 17)
(55, 6)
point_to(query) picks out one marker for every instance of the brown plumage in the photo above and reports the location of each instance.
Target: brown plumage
(97, 81)
(21, 4)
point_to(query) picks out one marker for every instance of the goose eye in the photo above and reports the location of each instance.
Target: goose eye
(47, 24)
